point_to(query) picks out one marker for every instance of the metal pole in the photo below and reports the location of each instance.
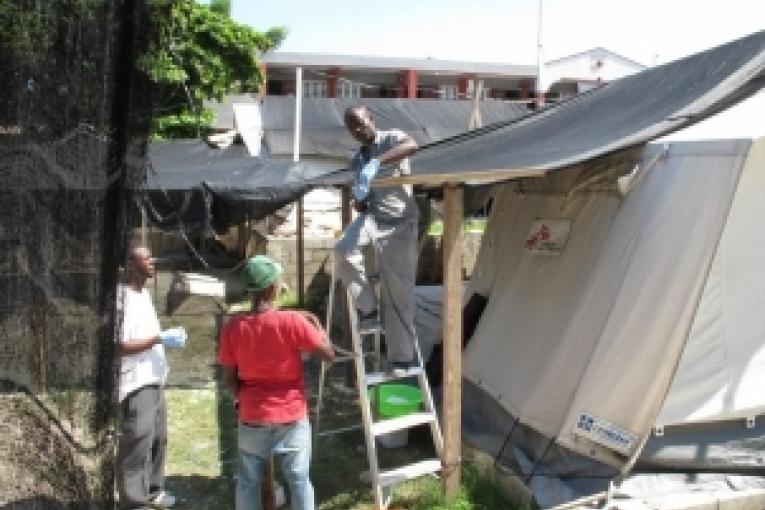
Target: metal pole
(300, 211)
(539, 90)
(298, 113)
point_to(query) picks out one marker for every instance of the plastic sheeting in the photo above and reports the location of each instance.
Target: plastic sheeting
(323, 131)
(192, 186)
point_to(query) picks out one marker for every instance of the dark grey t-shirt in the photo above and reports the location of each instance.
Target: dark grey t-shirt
(394, 203)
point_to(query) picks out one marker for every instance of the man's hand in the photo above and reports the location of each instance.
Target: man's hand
(174, 337)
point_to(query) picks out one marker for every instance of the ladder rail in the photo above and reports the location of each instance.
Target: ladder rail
(382, 482)
(324, 364)
(366, 407)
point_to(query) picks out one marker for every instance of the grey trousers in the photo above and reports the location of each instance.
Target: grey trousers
(140, 470)
(396, 259)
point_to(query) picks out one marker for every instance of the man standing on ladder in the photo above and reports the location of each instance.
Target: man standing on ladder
(388, 222)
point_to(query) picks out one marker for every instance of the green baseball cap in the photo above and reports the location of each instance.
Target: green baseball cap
(261, 272)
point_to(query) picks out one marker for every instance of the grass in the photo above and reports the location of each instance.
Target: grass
(471, 225)
(201, 448)
(201, 460)
(202, 457)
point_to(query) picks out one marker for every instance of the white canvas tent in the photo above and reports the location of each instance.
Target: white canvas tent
(647, 316)
(721, 375)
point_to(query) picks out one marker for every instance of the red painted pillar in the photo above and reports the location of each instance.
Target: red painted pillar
(407, 84)
(525, 88)
(462, 85)
(332, 75)
(401, 85)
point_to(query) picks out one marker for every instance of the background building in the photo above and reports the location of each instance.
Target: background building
(355, 76)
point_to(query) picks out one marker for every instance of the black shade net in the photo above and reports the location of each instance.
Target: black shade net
(72, 143)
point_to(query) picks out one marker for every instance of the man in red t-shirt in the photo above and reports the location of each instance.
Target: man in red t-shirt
(260, 354)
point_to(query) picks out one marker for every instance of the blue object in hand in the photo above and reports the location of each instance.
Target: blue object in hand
(174, 337)
(360, 190)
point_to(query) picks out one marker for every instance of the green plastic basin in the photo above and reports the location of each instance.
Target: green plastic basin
(395, 399)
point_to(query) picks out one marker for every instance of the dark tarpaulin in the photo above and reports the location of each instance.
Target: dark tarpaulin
(624, 113)
(191, 185)
(323, 131)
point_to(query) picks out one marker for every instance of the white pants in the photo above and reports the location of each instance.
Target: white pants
(395, 248)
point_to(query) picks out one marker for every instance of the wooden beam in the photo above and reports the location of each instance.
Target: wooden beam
(477, 177)
(345, 220)
(267, 493)
(144, 221)
(452, 338)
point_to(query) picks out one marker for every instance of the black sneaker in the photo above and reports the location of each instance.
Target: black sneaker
(368, 323)
(401, 368)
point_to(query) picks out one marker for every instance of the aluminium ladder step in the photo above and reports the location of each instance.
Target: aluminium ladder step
(402, 422)
(409, 472)
(374, 378)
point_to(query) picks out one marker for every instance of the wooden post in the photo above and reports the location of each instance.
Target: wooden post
(144, 222)
(267, 494)
(345, 220)
(452, 338)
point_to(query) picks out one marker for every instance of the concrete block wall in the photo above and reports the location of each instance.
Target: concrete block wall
(316, 254)
(316, 260)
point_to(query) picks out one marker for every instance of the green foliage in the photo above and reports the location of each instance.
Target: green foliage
(200, 53)
(21, 32)
(472, 225)
(221, 7)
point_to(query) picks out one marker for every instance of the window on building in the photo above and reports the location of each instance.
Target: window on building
(314, 88)
(448, 92)
(348, 89)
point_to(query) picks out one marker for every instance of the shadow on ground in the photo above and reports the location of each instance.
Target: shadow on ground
(197, 492)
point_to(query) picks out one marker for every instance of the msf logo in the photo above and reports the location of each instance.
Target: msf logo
(542, 234)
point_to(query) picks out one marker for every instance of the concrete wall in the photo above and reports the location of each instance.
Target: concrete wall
(316, 261)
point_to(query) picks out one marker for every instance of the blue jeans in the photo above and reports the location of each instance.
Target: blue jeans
(292, 443)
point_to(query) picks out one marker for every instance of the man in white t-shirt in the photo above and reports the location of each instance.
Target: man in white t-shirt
(142, 443)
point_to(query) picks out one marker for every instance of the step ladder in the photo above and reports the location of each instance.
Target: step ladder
(383, 482)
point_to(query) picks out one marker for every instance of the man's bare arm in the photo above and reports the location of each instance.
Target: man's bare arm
(138, 345)
(406, 148)
(230, 379)
(324, 351)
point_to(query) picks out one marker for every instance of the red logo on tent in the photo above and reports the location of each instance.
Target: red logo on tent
(543, 234)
